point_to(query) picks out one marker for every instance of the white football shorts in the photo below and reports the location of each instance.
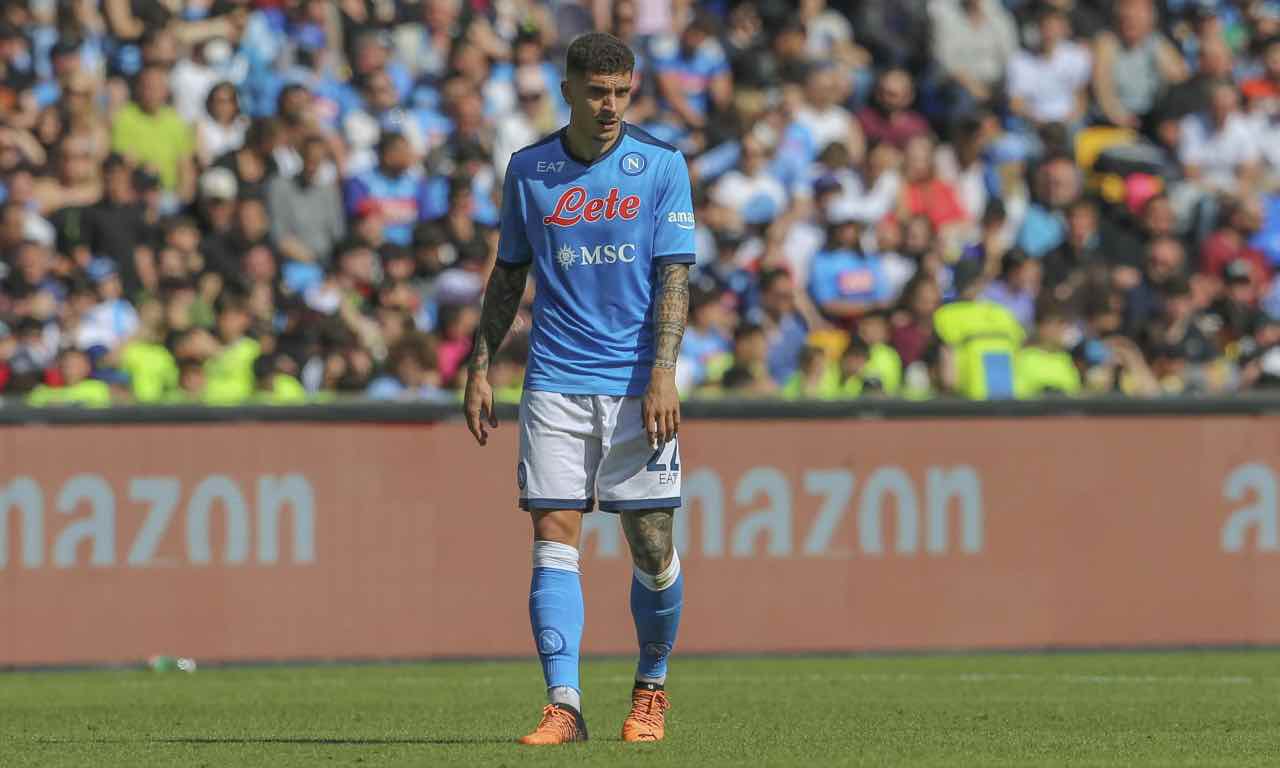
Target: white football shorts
(577, 450)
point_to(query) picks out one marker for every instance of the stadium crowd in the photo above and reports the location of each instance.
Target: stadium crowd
(288, 200)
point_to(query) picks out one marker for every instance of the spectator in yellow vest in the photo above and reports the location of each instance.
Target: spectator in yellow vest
(1044, 367)
(77, 388)
(980, 339)
(229, 372)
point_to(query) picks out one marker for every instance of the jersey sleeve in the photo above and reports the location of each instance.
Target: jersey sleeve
(356, 193)
(513, 241)
(673, 240)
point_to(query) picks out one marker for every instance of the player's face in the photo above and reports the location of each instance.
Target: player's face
(598, 102)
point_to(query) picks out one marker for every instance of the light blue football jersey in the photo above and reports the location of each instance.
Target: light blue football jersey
(595, 234)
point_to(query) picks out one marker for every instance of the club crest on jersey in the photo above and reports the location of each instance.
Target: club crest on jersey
(574, 206)
(632, 164)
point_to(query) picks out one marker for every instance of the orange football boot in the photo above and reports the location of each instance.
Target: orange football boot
(561, 724)
(647, 720)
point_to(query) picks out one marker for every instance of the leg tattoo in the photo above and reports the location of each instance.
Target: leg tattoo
(648, 534)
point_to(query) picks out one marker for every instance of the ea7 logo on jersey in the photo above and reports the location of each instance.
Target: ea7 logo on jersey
(574, 206)
(550, 166)
(682, 219)
(609, 253)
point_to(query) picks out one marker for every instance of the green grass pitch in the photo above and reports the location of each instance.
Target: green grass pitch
(1130, 709)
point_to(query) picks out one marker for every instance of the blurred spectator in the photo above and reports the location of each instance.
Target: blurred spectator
(1239, 220)
(1261, 356)
(1017, 287)
(152, 133)
(75, 387)
(870, 365)
(889, 117)
(1044, 366)
(411, 372)
(749, 374)
(784, 327)
(1079, 258)
(823, 115)
(973, 41)
(895, 31)
(534, 117)
(1218, 149)
(1133, 65)
(229, 371)
(693, 74)
(1050, 85)
(1057, 186)
(911, 326)
(223, 126)
(924, 194)
(306, 210)
(704, 350)
(844, 282)
(113, 320)
(815, 377)
(980, 338)
(1195, 94)
(145, 359)
(1165, 263)
(753, 191)
(394, 190)
(273, 385)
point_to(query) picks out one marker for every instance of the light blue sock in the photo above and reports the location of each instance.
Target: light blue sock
(556, 615)
(655, 606)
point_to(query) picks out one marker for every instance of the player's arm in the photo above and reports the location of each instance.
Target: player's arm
(502, 298)
(661, 407)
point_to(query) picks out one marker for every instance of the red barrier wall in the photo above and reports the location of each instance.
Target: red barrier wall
(267, 541)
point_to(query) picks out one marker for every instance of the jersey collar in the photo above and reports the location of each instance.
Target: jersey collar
(564, 146)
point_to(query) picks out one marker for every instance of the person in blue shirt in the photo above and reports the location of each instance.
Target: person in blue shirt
(844, 282)
(602, 214)
(394, 190)
(706, 344)
(693, 73)
(784, 327)
(1057, 186)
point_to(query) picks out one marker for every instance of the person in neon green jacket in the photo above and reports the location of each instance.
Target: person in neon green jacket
(191, 381)
(870, 369)
(229, 372)
(274, 385)
(1045, 367)
(152, 371)
(815, 378)
(981, 339)
(77, 388)
(872, 366)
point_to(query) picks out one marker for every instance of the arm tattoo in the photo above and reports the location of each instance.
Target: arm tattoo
(671, 310)
(501, 303)
(648, 534)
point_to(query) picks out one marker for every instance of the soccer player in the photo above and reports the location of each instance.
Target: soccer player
(601, 212)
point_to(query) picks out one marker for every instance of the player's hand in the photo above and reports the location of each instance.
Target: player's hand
(477, 405)
(660, 408)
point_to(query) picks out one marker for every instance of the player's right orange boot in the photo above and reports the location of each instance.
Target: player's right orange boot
(647, 720)
(561, 724)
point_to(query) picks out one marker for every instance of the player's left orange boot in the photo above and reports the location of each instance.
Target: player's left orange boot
(648, 718)
(561, 724)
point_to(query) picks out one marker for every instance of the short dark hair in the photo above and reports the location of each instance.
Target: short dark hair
(746, 330)
(388, 139)
(770, 276)
(598, 53)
